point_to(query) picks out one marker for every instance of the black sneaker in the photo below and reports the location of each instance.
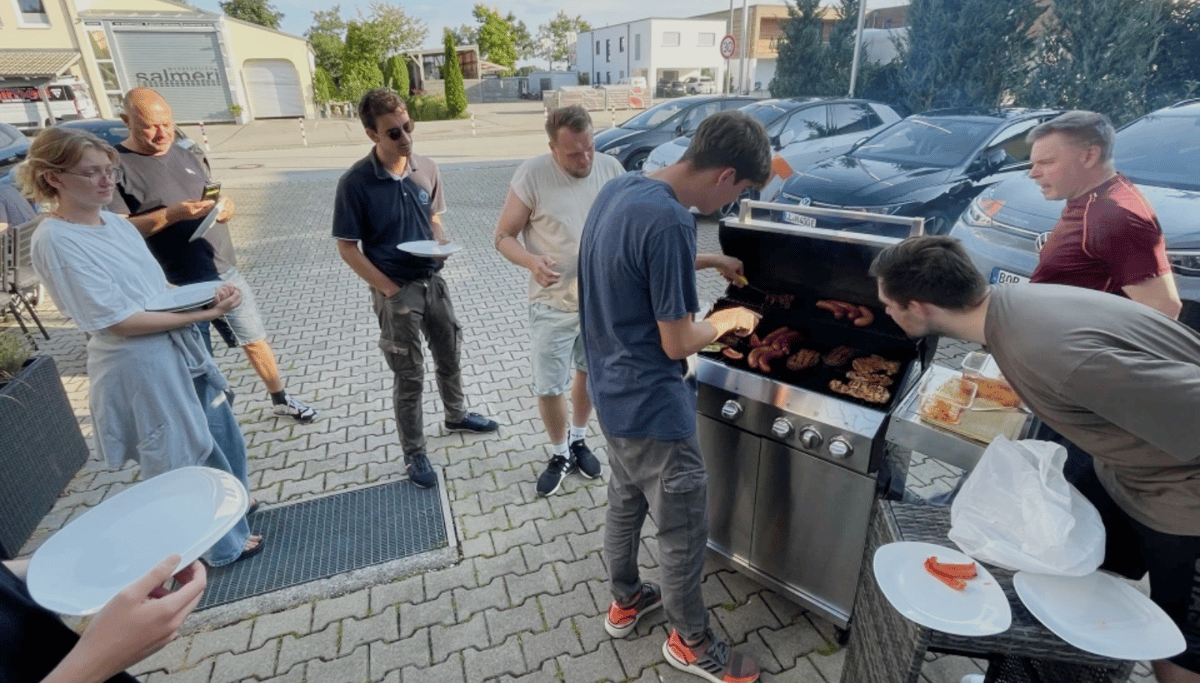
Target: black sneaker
(556, 471)
(587, 463)
(420, 473)
(473, 422)
(621, 620)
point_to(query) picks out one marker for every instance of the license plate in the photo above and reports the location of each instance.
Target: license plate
(1006, 277)
(799, 219)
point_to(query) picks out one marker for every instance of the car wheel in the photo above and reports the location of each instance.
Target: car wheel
(636, 162)
(937, 223)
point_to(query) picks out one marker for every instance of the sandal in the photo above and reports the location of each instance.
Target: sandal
(253, 507)
(251, 552)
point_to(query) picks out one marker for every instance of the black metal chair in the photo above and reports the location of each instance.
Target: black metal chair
(20, 284)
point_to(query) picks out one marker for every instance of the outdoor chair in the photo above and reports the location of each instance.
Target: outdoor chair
(20, 284)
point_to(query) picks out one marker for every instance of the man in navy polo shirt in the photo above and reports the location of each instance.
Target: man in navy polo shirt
(390, 197)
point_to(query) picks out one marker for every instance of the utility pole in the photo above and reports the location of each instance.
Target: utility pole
(745, 63)
(858, 36)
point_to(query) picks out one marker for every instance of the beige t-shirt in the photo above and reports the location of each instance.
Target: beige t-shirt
(1120, 380)
(559, 204)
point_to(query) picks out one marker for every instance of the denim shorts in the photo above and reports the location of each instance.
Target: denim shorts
(555, 346)
(243, 325)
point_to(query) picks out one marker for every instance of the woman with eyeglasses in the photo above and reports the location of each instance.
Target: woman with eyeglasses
(156, 395)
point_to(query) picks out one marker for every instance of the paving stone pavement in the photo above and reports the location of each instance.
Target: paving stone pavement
(525, 603)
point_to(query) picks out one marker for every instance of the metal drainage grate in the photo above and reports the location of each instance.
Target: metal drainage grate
(316, 539)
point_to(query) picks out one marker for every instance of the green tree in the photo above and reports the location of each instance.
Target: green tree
(495, 38)
(360, 67)
(259, 12)
(1097, 55)
(523, 42)
(465, 34)
(327, 37)
(800, 67)
(555, 36)
(966, 52)
(839, 53)
(395, 74)
(456, 93)
(324, 89)
(395, 30)
(1176, 70)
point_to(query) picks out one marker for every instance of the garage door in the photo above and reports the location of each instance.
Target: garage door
(274, 88)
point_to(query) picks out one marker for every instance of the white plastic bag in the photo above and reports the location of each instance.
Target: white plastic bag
(1017, 511)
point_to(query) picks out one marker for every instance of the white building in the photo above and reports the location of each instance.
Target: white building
(654, 49)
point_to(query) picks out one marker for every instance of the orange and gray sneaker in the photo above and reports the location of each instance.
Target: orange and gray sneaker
(621, 620)
(712, 659)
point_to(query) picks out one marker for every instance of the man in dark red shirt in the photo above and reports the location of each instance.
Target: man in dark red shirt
(1108, 237)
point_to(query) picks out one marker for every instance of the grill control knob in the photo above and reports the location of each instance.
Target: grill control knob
(810, 438)
(781, 428)
(839, 447)
(732, 410)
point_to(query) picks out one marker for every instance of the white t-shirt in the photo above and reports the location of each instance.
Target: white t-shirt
(559, 203)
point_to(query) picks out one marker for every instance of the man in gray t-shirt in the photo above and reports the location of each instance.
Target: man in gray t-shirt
(1119, 379)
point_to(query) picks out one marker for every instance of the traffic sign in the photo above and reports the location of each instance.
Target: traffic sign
(728, 46)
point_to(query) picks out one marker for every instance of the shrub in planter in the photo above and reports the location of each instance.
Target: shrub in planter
(43, 446)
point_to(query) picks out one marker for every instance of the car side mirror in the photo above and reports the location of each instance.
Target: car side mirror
(786, 138)
(858, 143)
(679, 130)
(987, 165)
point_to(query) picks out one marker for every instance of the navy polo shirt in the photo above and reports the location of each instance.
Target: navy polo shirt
(379, 211)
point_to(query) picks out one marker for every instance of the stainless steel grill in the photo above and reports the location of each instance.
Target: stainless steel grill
(793, 464)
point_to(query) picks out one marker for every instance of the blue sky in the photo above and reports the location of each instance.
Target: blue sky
(453, 13)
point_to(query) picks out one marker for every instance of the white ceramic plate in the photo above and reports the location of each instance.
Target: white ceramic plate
(185, 297)
(210, 219)
(1101, 614)
(981, 609)
(429, 248)
(80, 568)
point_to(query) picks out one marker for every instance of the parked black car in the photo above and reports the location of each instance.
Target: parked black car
(14, 146)
(632, 141)
(114, 131)
(930, 165)
(1160, 153)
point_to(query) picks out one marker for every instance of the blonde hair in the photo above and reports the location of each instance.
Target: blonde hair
(55, 149)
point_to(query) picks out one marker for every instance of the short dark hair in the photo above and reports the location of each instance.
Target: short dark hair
(574, 118)
(932, 269)
(730, 138)
(1083, 128)
(380, 102)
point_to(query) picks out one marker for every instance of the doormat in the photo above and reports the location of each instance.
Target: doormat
(331, 535)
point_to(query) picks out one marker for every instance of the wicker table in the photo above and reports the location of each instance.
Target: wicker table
(885, 647)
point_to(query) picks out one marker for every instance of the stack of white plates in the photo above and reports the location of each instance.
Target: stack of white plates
(184, 298)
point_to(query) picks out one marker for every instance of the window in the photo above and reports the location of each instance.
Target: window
(101, 50)
(853, 118)
(607, 50)
(1012, 141)
(806, 124)
(637, 46)
(707, 40)
(622, 74)
(608, 77)
(692, 120)
(670, 39)
(32, 12)
(597, 47)
(598, 81)
(621, 44)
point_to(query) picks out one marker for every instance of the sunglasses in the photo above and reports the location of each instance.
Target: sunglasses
(397, 133)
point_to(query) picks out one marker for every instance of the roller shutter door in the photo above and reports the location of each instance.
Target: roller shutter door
(185, 67)
(274, 88)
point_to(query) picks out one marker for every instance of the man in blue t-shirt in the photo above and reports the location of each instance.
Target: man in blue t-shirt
(637, 301)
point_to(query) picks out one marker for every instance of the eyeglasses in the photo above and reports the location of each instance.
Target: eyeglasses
(96, 174)
(397, 133)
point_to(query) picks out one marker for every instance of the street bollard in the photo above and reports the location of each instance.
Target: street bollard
(546, 112)
(204, 136)
(472, 125)
(303, 134)
(614, 115)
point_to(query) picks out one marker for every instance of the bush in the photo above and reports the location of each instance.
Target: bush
(456, 92)
(429, 108)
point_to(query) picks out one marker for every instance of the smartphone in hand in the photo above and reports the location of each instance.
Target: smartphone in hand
(211, 190)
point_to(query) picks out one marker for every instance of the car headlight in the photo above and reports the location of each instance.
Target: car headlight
(1185, 262)
(979, 212)
(616, 150)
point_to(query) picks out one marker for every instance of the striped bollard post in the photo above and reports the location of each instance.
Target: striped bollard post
(204, 137)
(614, 115)
(303, 133)
(472, 124)
(546, 113)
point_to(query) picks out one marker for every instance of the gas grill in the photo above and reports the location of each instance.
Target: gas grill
(794, 465)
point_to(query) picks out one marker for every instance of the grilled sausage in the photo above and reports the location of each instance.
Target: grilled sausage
(865, 317)
(733, 354)
(832, 307)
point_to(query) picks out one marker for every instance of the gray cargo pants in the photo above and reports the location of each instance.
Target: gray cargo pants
(420, 307)
(666, 479)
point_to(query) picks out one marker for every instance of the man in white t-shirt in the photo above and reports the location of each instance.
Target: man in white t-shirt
(548, 202)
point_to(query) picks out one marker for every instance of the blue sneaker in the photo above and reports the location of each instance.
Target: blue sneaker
(420, 472)
(473, 422)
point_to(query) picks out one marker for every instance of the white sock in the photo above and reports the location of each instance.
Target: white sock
(577, 434)
(559, 449)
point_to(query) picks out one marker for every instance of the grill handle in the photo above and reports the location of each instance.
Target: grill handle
(745, 217)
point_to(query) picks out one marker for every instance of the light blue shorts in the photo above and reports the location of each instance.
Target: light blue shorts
(555, 347)
(242, 325)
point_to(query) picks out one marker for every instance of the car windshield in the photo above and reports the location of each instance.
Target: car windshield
(654, 116)
(113, 133)
(1160, 150)
(766, 114)
(938, 142)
